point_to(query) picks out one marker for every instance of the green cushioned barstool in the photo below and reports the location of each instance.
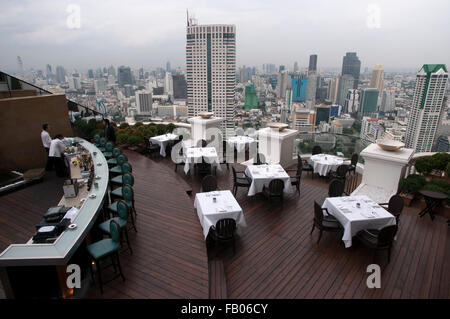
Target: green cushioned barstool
(121, 169)
(128, 197)
(97, 140)
(108, 149)
(115, 152)
(121, 219)
(120, 160)
(102, 145)
(108, 247)
(120, 180)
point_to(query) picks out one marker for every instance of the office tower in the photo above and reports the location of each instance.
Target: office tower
(48, 71)
(111, 79)
(377, 80)
(168, 69)
(351, 104)
(296, 68)
(388, 100)
(322, 114)
(74, 83)
(251, 98)
(273, 82)
(99, 86)
(144, 102)
(124, 76)
(346, 82)
(311, 88)
(179, 87)
(312, 63)
(141, 74)
(60, 74)
(282, 68)
(299, 83)
(333, 89)
(426, 107)
(98, 73)
(168, 84)
(128, 90)
(321, 94)
(211, 70)
(282, 84)
(371, 130)
(352, 65)
(20, 66)
(443, 144)
(112, 71)
(90, 74)
(369, 102)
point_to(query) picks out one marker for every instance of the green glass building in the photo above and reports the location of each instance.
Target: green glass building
(251, 98)
(369, 102)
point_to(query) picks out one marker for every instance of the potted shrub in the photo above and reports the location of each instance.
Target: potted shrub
(134, 141)
(410, 186)
(447, 172)
(122, 139)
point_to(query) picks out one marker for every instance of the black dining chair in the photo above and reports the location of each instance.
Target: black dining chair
(223, 231)
(316, 150)
(260, 159)
(353, 163)
(152, 148)
(275, 189)
(378, 239)
(324, 221)
(340, 173)
(209, 183)
(240, 181)
(336, 188)
(203, 168)
(395, 206)
(306, 167)
(224, 154)
(202, 143)
(296, 179)
(179, 159)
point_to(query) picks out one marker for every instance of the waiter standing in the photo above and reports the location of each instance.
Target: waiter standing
(109, 131)
(57, 147)
(46, 140)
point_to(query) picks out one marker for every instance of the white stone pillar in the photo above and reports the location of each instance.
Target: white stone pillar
(277, 147)
(205, 129)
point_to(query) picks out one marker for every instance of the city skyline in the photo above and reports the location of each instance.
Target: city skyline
(119, 34)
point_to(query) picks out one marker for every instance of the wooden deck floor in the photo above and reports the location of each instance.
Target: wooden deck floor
(275, 256)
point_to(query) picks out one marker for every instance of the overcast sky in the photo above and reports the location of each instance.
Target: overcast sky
(406, 34)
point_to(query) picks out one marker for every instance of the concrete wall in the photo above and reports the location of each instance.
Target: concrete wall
(17, 93)
(21, 122)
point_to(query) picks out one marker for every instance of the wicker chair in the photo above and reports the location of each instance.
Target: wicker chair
(275, 189)
(240, 181)
(223, 231)
(379, 239)
(209, 183)
(353, 163)
(336, 188)
(296, 179)
(324, 222)
(316, 150)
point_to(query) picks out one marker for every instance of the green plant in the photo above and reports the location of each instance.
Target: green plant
(135, 140)
(447, 170)
(122, 138)
(99, 132)
(441, 160)
(137, 124)
(412, 184)
(424, 164)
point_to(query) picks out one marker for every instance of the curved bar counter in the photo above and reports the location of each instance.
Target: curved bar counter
(60, 252)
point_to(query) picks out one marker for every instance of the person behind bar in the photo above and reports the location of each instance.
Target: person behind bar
(56, 155)
(109, 131)
(46, 140)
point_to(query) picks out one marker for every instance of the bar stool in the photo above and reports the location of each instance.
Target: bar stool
(121, 219)
(128, 197)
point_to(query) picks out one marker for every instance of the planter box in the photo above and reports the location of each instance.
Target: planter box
(407, 199)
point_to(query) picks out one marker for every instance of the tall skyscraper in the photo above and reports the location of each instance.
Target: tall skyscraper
(60, 74)
(351, 104)
(112, 71)
(352, 65)
(90, 74)
(299, 83)
(144, 102)
(48, 71)
(296, 68)
(311, 88)
(99, 86)
(168, 69)
(388, 100)
(179, 86)
(312, 63)
(426, 107)
(333, 89)
(282, 84)
(346, 82)
(211, 70)
(124, 76)
(369, 102)
(377, 80)
(20, 66)
(168, 84)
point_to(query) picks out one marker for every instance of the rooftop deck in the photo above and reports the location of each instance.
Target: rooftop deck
(275, 257)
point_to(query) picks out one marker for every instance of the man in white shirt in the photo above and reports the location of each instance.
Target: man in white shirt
(46, 140)
(55, 155)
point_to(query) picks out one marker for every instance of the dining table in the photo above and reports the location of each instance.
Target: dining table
(195, 155)
(163, 141)
(323, 164)
(356, 213)
(262, 175)
(216, 205)
(240, 142)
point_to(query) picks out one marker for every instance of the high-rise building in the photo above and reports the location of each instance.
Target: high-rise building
(144, 102)
(322, 114)
(179, 86)
(74, 83)
(351, 104)
(282, 68)
(388, 100)
(352, 65)
(371, 130)
(251, 98)
(211, 70)
(124, 76)
(168, 84)
(128, 90)
(282, 84)
(368, 103)
(90, 74)
(299, 83)
(311, 88)
(312, 63)
(377, 80)
(60, 74)
(346, 82)
(112, 71)
(296, 68)
(426, 107)
(443, 144)
(168, 69)
(48, 71)
(333, 89)
(20, 66)
(99, 86)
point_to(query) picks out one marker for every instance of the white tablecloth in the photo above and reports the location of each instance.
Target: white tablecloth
(162, 141)
(240, 142)
(226, 206)
(369, 216)
(262, 175)
(195, 154)
(324, 163)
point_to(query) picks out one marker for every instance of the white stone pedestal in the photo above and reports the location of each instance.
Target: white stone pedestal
(277, 147)
(206, 129)
(383, 169)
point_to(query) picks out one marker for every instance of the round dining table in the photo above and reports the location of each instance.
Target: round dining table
(323, 164)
